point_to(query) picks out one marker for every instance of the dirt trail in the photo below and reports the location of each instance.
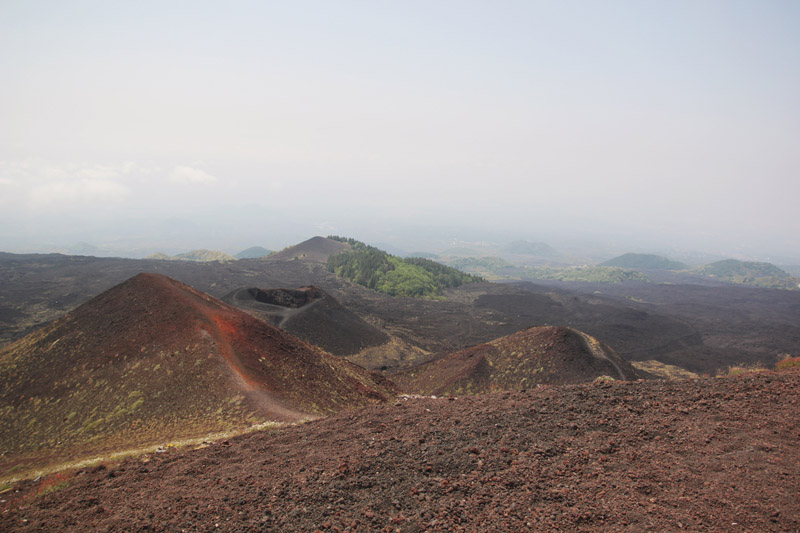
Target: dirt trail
(256, 393)
(697, 455)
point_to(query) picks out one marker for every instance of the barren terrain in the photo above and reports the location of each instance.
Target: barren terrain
(699, 455)
(699, 328)
(154, 359)
(536, 356)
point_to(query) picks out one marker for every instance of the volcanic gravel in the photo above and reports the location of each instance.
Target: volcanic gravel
(701, 455)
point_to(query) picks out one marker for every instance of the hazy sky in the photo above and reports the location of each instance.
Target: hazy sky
(233, 123)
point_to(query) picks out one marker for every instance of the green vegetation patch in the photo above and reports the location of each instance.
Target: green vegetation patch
(377, 270)
(751, 273)
(200, 256)
(498, 268)
(587, 274)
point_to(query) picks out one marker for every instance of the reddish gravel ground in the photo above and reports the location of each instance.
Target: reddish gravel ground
(703, 455)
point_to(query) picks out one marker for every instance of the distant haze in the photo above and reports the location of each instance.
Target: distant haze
(626, 125)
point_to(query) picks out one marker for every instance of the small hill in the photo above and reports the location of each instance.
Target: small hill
(395, 276)
(254, 252)
(539, 355)
(160, 256)
(644, 261)
(200, 256)
(312, 315)
(315, 249)
(750, 273)
(152, 360)
(539, 249)
(203, 256)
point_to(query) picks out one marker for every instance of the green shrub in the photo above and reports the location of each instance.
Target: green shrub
(735, 370)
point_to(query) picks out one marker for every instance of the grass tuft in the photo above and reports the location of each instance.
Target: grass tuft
(736, 370)
(787, 362)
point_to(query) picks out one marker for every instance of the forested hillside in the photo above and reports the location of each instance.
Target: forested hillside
(382, 272)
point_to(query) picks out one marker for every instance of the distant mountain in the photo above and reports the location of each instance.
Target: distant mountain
(160, 256)
(644, 261)
(153, 360)
(200, 256)
(389, 274)
(730, 268)
(315, 249)
(539, 355)
(540, 249)
(750, 273)
(253, 252)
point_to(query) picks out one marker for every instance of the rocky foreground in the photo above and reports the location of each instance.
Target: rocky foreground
(700, 455)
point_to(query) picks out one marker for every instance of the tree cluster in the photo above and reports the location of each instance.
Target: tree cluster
(382, 272)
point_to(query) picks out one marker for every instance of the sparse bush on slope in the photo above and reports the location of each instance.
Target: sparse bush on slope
(788, 362)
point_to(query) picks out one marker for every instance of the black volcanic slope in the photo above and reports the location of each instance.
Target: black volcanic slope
(316, 249)
(702, 328)
(312, 315)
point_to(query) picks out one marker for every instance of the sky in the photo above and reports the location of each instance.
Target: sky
(178, 125)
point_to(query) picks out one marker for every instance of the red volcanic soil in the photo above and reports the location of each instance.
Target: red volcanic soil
(154, 359)
(541, 355)
(701, 455)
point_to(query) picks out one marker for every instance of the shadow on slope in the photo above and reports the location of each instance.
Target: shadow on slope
(312, 315)
(541, 355)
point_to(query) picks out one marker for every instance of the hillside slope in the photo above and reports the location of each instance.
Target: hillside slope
(539, 355)
(254, 252)
(382, 272)
(312, 315)
(751, 273)
(696, 455)
(154, 359)
(316, 249)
